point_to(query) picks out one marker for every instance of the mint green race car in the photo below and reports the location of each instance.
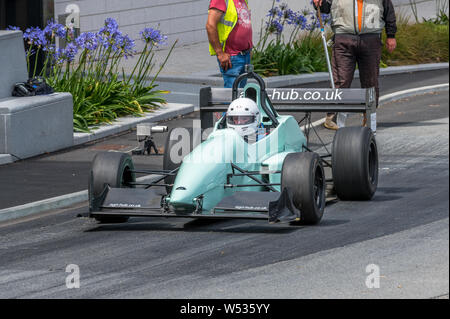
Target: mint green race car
(277, 177)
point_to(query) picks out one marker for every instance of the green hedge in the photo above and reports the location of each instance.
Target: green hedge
(419, 43)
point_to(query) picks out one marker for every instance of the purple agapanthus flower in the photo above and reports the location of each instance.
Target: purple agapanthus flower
(126, 44)
(70, 51)
(59, 56)
(153, 36)
(290, 15)
(66, 54)
(109, 35)
(300, 21)
(54, 29)
(273, 12)
(35, 36)
(88, 41)
(110, 28)
(12, 28)
(275, 27)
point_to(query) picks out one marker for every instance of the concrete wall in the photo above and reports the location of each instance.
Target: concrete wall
(184, 19)
(29, 126)
(425, 8)
(179, 19)
(13, 67)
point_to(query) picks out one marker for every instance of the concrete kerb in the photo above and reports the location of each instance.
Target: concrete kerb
(167, 111)
(6, 159)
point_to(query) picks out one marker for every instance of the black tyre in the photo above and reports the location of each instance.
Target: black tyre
(355, 163)
(304, 177)
(179, 145)
(113, 169)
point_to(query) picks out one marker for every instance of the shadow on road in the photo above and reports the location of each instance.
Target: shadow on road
(202, 226)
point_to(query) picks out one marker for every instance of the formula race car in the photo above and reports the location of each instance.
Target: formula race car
(276, 178)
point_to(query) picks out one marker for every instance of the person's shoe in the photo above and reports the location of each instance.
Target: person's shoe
(329, 124)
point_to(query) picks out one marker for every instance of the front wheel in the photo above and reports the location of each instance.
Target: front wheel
(303, 176)
(111, 169)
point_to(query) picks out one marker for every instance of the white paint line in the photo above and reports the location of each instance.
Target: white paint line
(43, 205)
(413, 92)
(183, 93)
(75, 198)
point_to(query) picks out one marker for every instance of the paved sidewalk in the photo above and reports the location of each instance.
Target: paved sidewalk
(191, 59)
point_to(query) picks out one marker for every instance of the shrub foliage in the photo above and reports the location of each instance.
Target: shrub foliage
(89, 67)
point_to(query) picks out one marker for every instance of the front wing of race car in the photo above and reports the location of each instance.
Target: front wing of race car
(131, 202)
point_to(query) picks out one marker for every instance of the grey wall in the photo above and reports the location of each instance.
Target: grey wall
(179, 19)
(13, 67)
(183, 19)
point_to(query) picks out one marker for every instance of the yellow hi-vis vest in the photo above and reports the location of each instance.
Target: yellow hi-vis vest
(226, 25)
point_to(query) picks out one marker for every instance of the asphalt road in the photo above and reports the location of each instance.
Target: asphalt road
(404, 231)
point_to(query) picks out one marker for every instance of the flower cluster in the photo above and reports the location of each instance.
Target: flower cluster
(35, 37)
(12, 28)
(280, 16)
(87, 41)
(53, 30)
(89, 67)
(109, 38)
(153, 36)
(67, 54)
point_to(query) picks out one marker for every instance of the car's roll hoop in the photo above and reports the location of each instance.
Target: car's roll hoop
(264, 98)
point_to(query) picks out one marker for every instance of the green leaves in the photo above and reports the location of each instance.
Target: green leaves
(418, 43)
(303, 56)
(103, 102)
(99, 95)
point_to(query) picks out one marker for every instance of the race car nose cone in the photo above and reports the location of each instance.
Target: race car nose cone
(181, 199)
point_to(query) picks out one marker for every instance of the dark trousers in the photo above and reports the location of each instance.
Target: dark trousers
(364, 50)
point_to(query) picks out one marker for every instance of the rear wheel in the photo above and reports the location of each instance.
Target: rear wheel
(111, 169)
(355, 163)
(304, 177)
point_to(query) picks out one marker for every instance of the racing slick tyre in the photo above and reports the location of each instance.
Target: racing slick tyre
(355, 163)
(113, 169)
(303, 175)
(177, 146)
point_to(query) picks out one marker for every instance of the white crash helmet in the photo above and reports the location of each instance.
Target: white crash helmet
(243, 116)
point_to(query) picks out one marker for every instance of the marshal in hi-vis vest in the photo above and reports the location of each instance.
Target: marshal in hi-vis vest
(226, 25)
(345, 16)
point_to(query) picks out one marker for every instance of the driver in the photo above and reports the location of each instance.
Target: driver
(244, 117)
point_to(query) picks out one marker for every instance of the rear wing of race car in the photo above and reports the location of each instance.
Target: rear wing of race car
(291, 100)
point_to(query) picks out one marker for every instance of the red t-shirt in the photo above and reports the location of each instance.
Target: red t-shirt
(240, 39)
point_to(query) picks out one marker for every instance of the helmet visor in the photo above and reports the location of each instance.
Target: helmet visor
(240, 119)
